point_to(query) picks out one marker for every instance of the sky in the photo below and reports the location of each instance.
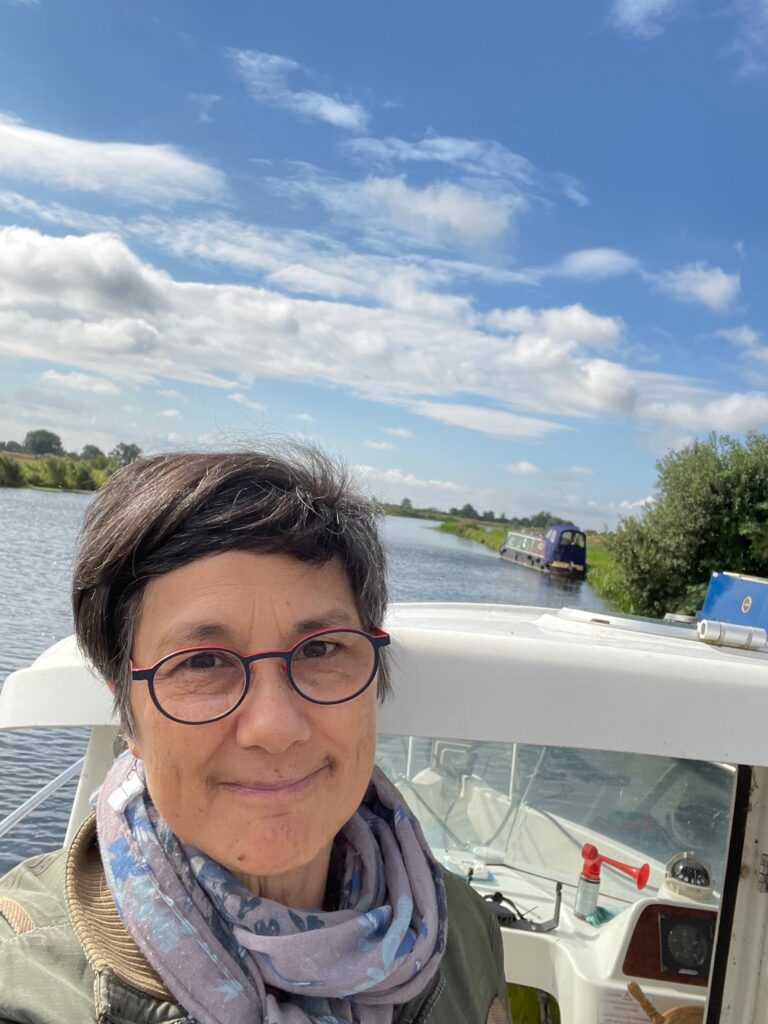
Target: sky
(507, 253)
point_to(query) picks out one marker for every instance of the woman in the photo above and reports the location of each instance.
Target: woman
(246, 861)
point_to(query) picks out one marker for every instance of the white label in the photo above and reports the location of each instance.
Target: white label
(618, 1007)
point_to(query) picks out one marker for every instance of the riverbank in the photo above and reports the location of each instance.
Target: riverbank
(604, 574)
(54, 472)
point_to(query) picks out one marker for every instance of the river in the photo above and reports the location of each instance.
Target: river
(39, 532)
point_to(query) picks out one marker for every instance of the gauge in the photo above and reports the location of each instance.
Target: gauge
(689, 876)
(686, 942)
(687, 945)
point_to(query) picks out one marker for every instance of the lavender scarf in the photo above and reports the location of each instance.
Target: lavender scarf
(218, 948)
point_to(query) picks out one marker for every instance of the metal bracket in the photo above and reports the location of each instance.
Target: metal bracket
(509, 919)
(762, 873)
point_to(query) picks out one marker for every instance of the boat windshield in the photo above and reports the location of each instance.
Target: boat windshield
(533, 807)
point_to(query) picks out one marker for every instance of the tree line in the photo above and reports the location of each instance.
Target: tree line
(41, 461)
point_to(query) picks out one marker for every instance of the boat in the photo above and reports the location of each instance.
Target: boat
(561, 550)
(537, 746)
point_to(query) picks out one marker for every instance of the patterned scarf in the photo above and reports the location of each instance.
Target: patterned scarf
(222, 951)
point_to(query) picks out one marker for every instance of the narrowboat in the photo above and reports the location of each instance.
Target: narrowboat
(562, 549)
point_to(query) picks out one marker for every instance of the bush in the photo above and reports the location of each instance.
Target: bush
(10, 472)
(709, 514)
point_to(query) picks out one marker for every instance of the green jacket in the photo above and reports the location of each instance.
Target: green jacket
(65, 957)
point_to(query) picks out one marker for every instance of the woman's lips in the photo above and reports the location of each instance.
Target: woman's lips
(275, 788)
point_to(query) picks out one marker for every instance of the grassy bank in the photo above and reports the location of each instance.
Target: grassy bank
(57, 472)
(604, 575)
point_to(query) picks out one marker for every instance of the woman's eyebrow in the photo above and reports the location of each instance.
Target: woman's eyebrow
(339, 617)
(195, 633)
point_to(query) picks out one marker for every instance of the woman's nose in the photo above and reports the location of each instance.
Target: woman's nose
(272, 716)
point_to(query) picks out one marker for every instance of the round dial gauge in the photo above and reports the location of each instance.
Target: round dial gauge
(687, 945)
(689, 876)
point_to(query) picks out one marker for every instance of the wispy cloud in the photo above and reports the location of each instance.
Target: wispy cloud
(266, 78)
(523, 469)
(496, 422)
(205, 102)
(171, 414)
(144, 174)
(379, 445)
(437, 214)
(744, 335)
(699, 283)
(397, 431)
(482, 159)
(750, 43)
(643, 18)
(246, 402)
(403, 479)
(80, 382)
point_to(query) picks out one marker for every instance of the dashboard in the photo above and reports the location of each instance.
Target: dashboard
(671, 942)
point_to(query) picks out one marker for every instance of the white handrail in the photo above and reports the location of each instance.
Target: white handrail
(39, 797)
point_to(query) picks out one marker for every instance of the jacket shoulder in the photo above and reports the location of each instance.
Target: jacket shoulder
(42, 964)
(471, 987)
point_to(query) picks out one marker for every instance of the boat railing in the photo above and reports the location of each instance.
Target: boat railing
(40, 796)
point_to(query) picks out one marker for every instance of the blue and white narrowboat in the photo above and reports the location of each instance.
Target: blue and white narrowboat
(562, 549)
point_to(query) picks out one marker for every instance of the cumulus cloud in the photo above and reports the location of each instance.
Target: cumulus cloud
(266, 77)
(596, 264)
(700, 283)
(522, 469)
(399, 478)
(141, 173)
(80, 382)
(729, 414)
(643, 18)
(89, 303)
(171, 414)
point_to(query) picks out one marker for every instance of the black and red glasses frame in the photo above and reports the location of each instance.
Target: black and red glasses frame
(377, 638)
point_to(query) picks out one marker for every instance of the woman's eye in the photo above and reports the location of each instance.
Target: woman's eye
(315, 649)
(204, 659)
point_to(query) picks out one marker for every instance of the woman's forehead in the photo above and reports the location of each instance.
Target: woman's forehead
(240, 593)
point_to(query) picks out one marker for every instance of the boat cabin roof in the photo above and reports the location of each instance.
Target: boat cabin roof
(509, 673)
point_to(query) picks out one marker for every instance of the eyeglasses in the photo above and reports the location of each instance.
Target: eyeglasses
(203, 684)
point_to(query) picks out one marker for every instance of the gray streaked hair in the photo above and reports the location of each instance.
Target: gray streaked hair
(160, 513)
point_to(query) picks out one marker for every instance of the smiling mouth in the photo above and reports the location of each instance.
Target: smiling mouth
(293, 785)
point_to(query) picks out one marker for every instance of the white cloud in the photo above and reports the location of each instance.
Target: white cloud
(379, 445)
(170, 393)
(480, 158)
(397, 431)
(205, 102)
(441, 213)
(750, 43)
(744, 335)
(305, 417)
(699, 282)
(642, 17)
(89, 303)
(522, 469)
(141, 173)
(582, 470)
(596, 264)
(171, 414)
(246, 402)
(496, 422)
(265, 76)
(627, 507)
(80, 382)
(732, 414)
(399, 478)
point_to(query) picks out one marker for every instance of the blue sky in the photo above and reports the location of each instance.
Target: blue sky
(506, 253)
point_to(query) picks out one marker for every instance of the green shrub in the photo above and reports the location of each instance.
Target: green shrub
(10, 472)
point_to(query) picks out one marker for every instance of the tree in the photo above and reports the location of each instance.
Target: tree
(43, 442)
(489, 516)
(124, 454)
(90, 451)
(468, 512)
(406, 505)
(710, 512)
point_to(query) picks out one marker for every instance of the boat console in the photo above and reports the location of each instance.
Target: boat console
(523, 737)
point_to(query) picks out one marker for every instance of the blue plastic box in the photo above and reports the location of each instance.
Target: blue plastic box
(731, 597)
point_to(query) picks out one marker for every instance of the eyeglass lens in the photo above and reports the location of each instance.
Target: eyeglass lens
(196, 686)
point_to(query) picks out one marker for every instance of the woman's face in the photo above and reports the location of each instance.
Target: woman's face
(265, 790)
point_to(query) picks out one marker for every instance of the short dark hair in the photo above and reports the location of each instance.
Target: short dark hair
(160, 513)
